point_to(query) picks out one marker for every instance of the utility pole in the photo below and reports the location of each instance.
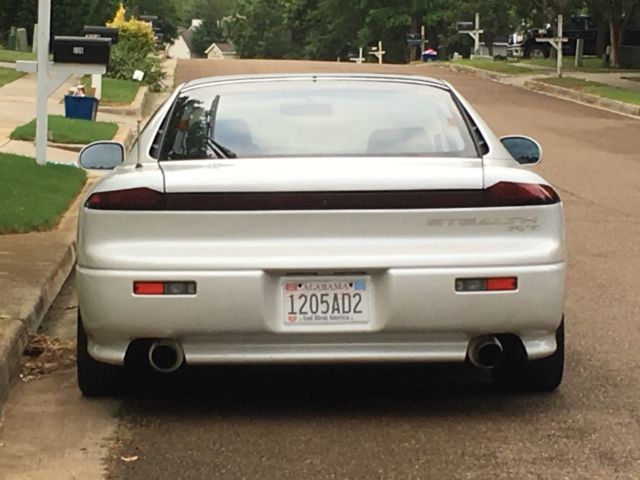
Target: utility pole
(423, 39)
(42, 127)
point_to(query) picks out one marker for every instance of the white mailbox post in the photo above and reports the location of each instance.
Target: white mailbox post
(475, 34)
(556, 42)
(49, 76)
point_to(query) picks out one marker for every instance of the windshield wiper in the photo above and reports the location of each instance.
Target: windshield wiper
(219, 149)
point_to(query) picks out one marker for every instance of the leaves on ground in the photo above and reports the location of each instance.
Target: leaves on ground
(44, 355)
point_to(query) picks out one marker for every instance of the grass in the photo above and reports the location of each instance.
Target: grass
(68, 130)
(510, 68)
(596, 88)
(589, 64)
(12, 56)
(34, 197)
(116, 92)
(8, 75)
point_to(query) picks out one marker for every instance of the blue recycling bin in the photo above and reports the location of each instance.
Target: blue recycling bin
(84, 108)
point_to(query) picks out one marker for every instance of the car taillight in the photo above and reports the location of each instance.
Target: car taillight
(129, 199)
(502, 194)
(491, 284)
(509, 194)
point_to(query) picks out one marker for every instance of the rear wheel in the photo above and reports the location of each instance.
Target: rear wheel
(95, 378)
(542, 375)
(538, 52)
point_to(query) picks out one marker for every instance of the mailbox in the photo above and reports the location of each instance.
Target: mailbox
(462, 26)
(101, 32)
(81, 50)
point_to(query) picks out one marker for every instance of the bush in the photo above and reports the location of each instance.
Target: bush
(135, 50)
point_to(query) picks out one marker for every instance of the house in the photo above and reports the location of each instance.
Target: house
(221, 51)
(182, 47)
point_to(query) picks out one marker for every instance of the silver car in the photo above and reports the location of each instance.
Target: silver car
(320, 218)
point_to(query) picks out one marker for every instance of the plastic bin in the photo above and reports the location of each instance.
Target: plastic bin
(85, 108)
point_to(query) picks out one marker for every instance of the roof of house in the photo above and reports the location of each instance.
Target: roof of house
(225, 47)
(187, 35)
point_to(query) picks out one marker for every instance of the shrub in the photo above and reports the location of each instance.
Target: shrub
(134, 51)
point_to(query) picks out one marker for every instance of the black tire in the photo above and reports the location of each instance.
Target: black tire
(95, 379)
(538, 52)
(542, 375)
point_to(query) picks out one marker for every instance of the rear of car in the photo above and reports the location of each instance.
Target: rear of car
(320, 219)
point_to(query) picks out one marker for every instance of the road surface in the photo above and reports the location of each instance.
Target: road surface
(390, 422)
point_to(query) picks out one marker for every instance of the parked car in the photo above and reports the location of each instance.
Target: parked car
(320, 218)
(524, 44)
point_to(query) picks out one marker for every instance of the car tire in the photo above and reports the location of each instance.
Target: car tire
(95, 379)
(538, 52)
(541, 375)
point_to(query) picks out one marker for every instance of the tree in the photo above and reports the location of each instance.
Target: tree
(618, 14)
(203, 36)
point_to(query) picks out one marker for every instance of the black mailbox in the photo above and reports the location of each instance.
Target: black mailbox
(81, 50)
(101, 32)
(461, 26)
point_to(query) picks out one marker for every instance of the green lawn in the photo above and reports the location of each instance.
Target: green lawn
(589, 64)
(116, 92)
(68, 130)
(12, 56)
(8, 75)
(510, 68)
(35, 197)
(596, 88)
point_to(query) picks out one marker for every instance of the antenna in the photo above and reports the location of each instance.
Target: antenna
(138, 163)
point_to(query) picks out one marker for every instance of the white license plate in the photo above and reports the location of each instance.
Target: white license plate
(326, 301)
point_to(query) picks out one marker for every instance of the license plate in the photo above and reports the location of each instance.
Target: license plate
(326, 301)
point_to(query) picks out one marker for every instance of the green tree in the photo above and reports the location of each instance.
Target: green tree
(207, 33)
(618, 14)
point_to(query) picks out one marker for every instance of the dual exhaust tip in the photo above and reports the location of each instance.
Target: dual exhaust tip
(485, 351)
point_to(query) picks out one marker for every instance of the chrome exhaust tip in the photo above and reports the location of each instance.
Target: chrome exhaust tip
(166, 356)
(485, 352)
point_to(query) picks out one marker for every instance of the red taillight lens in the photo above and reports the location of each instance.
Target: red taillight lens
(130, 199)
(509, 194)
(505, 283)
(148, 288)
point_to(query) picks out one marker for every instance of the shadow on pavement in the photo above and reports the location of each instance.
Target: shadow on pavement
(333, 390)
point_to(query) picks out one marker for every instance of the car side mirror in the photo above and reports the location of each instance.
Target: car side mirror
(525, 150)
(101, 155)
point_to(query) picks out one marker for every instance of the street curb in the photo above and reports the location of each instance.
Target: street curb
(582, 97)
(12, 343)
(135, 109)
(478, 72)
(588, 99)
(15, 336)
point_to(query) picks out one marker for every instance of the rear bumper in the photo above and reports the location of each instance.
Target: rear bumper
(236, 316)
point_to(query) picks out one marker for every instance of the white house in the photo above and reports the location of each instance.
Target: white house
(221, 51)
(182, 47)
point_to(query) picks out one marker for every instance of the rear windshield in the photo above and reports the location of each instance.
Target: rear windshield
(316, 118)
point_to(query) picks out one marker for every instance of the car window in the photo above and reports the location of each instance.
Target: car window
(316, 118)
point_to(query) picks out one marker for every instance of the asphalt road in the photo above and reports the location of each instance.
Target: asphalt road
(394, 422)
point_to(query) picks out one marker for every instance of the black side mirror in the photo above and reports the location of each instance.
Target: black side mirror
(101, 156)
(525, 150)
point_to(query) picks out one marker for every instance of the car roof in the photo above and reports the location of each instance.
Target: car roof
(364, 77)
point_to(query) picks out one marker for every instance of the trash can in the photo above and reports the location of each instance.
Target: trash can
(429, 55)
(84, 108)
